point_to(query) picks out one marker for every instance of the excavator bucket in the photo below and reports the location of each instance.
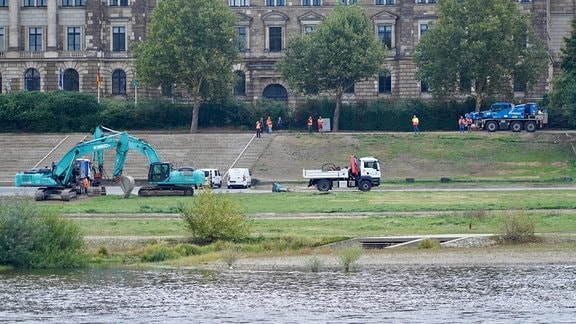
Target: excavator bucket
(126, 183)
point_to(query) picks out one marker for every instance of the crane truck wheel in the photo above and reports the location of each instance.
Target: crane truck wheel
(323, 185)
(491, 126)
(530, 126)
(189, 192)
(365, 185)
(516, 126)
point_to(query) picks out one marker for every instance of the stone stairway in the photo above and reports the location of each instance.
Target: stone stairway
(221, 151)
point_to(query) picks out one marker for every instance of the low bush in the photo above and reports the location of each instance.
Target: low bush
(30, 238)
(429, 243)
(349, 255)
(212, 217)
(517, 228)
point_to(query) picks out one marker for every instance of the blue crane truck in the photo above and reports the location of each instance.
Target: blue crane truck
(507, 116)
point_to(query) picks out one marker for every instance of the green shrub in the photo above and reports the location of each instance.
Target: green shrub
(212, 217)
(30, 238)
(158, 253)
(349, 255)
(517, 228)
(429, 243)
(313, 264)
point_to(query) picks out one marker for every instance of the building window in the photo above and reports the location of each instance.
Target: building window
(311, 2)
(2, 39)
(350, 89)
(385, 35)
(309, 28)
(118, 39)
(424, 86)
(41, 3)
(73, 38)
(35, 39)
(115, 3)
(32, 80)
(28, 3)
(119, 82)
(425, 1)
(275, 2)
(80, 3)
(385, 83)
(519, 85)
(67, 3)
(240, 88)
(275, 39)
(4, 3)
(71, 80)
(349, 2)
(239, 3)
(423, 29)
(242, 39)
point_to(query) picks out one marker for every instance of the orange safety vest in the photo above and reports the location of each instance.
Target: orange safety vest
(258, 125)
(309, 121)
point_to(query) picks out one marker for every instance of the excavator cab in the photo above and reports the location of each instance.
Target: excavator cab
(159, 172)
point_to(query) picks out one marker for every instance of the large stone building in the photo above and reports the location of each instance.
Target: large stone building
(50, 44)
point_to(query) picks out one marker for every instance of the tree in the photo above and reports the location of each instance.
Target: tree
(563, 93)
(479, 48)
(190, 43)
(340, 52)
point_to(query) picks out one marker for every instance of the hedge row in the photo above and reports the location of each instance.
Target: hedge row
(64, 111)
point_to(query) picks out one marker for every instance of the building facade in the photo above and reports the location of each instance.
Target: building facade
(47, 45)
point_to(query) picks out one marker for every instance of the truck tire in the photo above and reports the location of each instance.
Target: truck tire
(323, 185)
(491, 126)
(516, 126)
(365, 185)
(530, 126)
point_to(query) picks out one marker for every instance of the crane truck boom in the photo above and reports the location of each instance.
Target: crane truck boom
(363, 173)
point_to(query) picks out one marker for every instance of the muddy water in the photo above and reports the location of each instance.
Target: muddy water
(398, 293)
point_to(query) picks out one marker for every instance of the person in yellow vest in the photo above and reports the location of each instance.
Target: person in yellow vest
(258, 128)
(320, 122)
(415, 123)
(309, 124)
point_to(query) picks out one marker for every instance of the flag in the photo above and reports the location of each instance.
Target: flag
(98, 80)
(60, 79)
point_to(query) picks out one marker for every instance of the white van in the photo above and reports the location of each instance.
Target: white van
(239, 177)
(212, 178)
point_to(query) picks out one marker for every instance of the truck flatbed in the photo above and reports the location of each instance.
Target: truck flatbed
(333, 174)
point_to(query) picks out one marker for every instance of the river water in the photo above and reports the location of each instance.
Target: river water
(394, 294)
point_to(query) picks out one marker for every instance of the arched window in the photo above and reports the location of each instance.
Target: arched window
(71, 80)
(275, 92)
(118, 82)
(32, 80)
(240, 88)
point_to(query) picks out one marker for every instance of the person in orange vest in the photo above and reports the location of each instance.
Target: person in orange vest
(85, 185)
(469, 123)
(269, 124)
(310, 122)
(320, 122)
(258, 128)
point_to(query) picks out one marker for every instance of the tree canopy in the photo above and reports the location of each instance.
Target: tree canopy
(479, 48)
(340, 52)
(563, 94)
(190, 43)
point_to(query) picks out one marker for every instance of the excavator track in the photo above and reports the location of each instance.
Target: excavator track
(152, 191)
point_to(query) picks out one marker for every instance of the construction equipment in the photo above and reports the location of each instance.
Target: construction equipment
(363, 173)
(506, 115)
(63, 180)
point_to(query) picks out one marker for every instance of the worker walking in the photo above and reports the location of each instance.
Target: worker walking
(462, 124)
(309, 124)
(415, 123)
(269, 124)
(320, 122)
(258, 129)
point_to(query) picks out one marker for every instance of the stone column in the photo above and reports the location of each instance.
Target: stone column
(14, 25)
(52, 26)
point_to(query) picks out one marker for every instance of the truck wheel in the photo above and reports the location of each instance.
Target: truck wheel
(323, 185)
(530, 126)
(365, 185)
(491, 126)
(189, 192)
(516, 126)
